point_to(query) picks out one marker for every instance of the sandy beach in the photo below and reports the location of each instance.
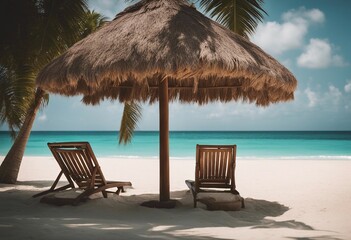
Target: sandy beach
(290, 199)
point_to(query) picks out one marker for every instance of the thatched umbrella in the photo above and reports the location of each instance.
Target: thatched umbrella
(166, 50)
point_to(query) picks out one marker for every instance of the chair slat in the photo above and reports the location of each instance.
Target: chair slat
(85, 165)
(90, 154)
(87, 160)
(216, 164)
(73, 167)
(83, 169)
(208, 165)
(66, 161)
(74, 160)
(205, 165)
(229, 160)
(226, 162)
(211, 159)
(221, 164)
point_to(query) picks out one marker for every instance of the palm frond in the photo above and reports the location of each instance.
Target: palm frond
(240, 16)
(59, 25)
(16, 95)
(45, 101)
(130, 118)
(92, 22)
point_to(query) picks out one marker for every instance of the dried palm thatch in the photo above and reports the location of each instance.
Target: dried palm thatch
(156, 39)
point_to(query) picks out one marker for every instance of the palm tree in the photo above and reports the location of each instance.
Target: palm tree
(38, 31)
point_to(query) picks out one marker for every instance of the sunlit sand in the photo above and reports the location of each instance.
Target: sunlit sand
(291, 199)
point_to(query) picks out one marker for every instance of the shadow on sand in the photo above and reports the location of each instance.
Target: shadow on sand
(122, 217)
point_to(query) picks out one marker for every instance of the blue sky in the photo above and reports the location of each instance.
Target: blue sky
(311, 38)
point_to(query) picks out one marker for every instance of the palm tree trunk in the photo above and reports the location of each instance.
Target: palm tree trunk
(10, 166)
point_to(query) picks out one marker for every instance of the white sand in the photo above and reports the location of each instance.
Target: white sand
(291, 199)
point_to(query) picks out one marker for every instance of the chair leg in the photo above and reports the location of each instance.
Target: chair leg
(195, 200)
(119, 190)
(242, 203)
(52, 188)
(191, 187)
(81, 196)
(104, 193)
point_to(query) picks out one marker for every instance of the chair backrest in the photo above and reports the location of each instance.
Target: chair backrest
(215, 166)
(78, 163)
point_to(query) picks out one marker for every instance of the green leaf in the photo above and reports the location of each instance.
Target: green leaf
(130, 118)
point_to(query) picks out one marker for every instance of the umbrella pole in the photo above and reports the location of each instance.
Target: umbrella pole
(165, 201)
(164, 140)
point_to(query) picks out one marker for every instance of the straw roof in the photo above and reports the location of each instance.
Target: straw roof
(156, 39)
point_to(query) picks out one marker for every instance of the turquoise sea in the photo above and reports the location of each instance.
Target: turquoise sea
(251, 144)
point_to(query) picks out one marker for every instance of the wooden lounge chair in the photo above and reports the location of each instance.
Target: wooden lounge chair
(79, 165)
(214, 171)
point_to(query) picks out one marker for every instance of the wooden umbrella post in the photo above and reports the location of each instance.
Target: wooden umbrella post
(164, 140)
(164, 201)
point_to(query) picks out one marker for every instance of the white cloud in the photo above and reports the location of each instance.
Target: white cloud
(319, 54)
(302, 15)
(277, 38)
(347, 87)
(42, 117)
(333, 95)
(331, 98)
(316, 15)
(312, 97)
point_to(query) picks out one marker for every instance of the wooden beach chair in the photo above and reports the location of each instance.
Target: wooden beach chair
(214, 171)
(81, 168)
